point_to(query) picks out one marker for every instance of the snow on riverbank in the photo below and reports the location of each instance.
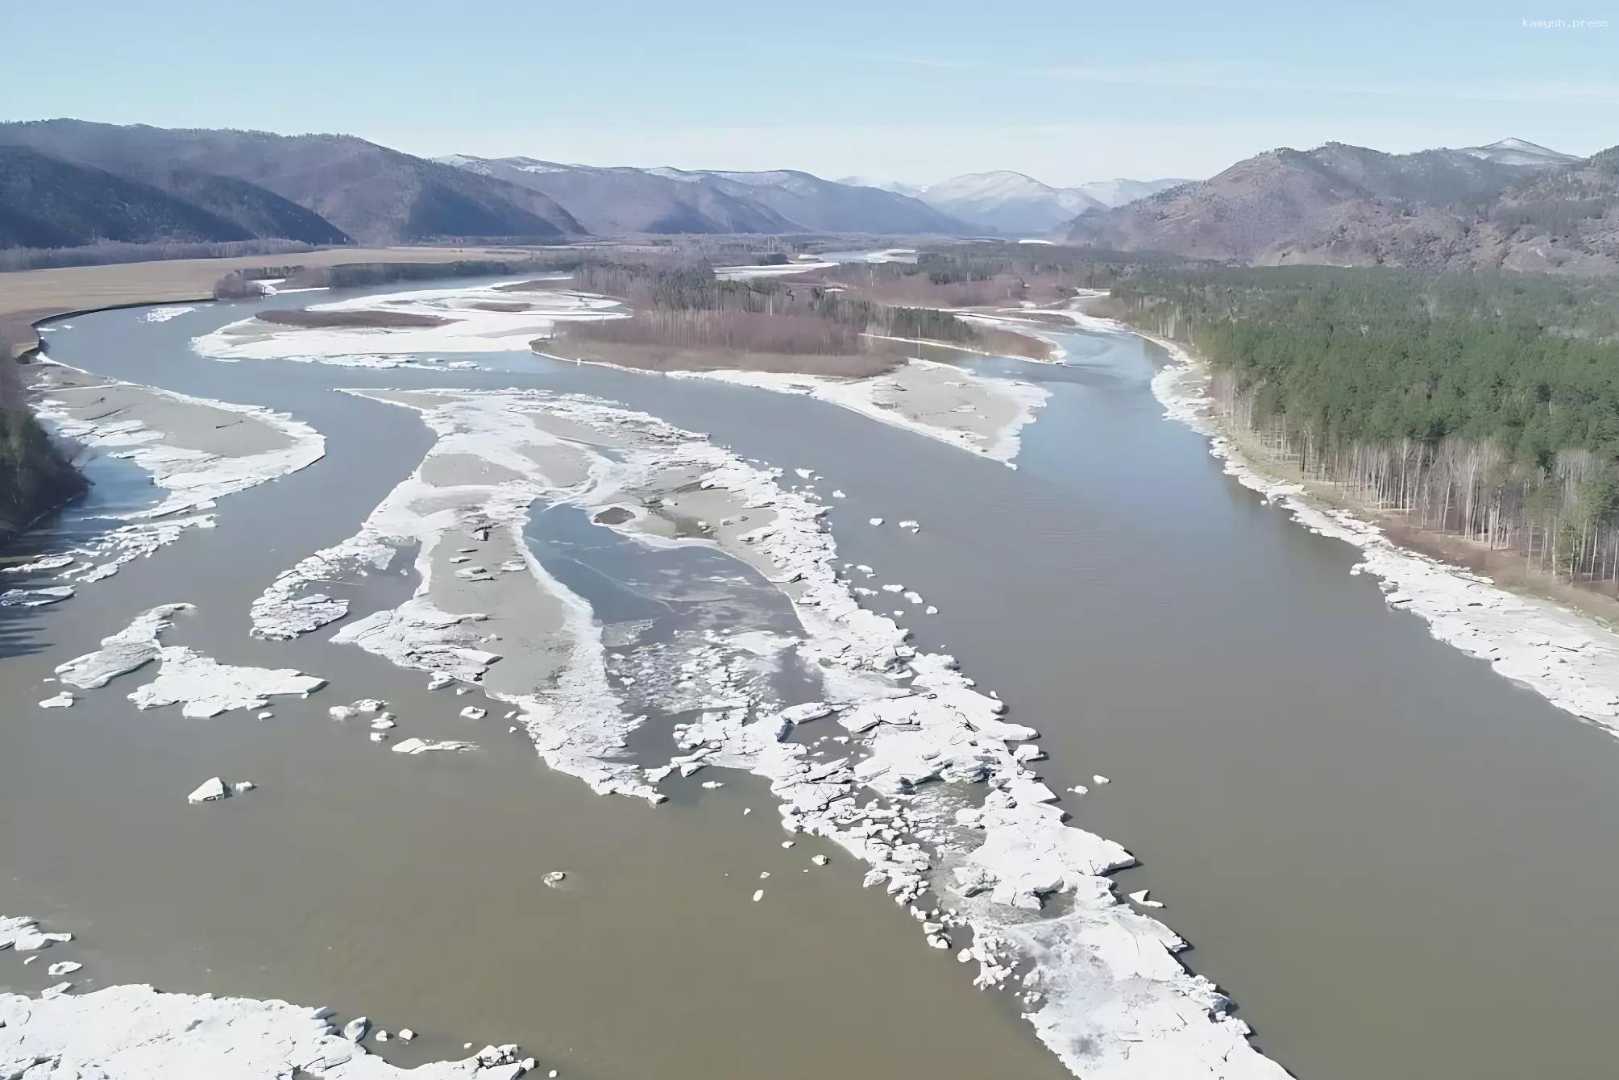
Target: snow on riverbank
(976, 413)
(195, 450)
(1570, 660)
(501, 317)
(922, 783)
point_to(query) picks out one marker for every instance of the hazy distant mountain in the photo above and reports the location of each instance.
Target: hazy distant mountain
(46, 202)
(818, 205)
(611, 201)
(666, 200)
(1007, 202)
(1120, 191)
(1519, 152)
(1013, 202)
(368, 192)
(898, 187)
(1348, 205)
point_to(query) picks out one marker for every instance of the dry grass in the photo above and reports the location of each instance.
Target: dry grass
(27, 296)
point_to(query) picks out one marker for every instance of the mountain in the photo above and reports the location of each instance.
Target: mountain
(1013, 202)
(665, 200)
(1117, 192)
(261, 212)
(824, 206)
(1007, 202)
(1348, 205)
(46, 202)
(1519, 152)
(898, 187)
(368, 192)
(610, 201)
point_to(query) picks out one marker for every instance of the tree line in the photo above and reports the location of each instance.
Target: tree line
(1484, 405)
(684, 304)
(35, 477)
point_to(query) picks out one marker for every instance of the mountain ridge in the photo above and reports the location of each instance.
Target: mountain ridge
(663, 199)
(370, 193)
(1340, 204)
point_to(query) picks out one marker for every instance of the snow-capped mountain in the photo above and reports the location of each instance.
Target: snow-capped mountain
(1519, 152)
(1007, 202)
(1013, 202)
(898, 187)
(616, 200)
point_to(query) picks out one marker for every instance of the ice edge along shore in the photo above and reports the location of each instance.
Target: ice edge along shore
(1568, 659)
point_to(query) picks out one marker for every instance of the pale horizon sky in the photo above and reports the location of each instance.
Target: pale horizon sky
(1063, 91)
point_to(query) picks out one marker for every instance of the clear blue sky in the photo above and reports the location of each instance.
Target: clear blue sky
(1066, 90)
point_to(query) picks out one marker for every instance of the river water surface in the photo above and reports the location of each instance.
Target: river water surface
(1397, 863)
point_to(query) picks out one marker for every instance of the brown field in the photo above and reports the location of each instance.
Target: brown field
(320, 319)
(27, 296)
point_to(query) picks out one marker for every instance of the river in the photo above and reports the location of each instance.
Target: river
(1397, 863)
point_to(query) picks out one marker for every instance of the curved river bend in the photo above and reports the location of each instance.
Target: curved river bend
(1395, 862)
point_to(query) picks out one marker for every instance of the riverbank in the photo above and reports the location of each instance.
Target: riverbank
(36, 478)
(1566, 656)
(31, 297)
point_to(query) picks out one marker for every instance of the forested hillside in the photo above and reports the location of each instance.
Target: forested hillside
(1509, 206)
(49, 203)
(1483, 405)
(317, 188)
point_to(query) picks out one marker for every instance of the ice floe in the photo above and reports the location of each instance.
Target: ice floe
(31, 598)
(426, 746)
(167, 312)
(929, 793)
(210, 790)
(128, 650)
(136, 1032)
(203, 687)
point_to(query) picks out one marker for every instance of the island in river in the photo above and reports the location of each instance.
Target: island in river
(812, 693)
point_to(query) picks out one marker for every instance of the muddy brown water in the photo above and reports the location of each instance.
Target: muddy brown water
(1397, 863)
